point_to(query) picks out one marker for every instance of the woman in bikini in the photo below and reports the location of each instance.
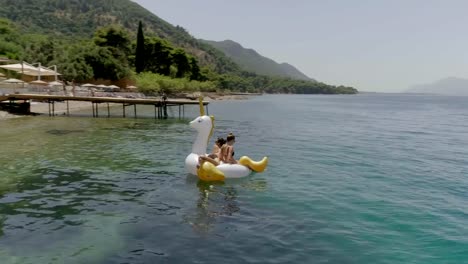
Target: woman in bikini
(227, 150)
(214, 157)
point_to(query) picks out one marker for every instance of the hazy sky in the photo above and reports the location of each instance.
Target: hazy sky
(373, 45)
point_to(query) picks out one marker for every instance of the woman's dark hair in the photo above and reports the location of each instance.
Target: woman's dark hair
(230, 137)
(220, 141)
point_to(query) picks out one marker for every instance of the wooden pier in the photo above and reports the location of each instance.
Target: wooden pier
(160, 105)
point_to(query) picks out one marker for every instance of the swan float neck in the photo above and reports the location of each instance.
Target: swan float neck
(204, 126)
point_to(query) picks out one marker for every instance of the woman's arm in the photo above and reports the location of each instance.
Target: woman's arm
(204, 158)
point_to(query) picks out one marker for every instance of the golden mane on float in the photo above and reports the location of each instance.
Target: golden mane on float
(202, 113)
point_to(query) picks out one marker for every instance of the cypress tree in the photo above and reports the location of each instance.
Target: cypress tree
(195, 70)
(140, 50)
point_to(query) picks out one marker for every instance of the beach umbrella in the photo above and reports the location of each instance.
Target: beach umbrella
(12, 81)
(38, 82)
(132, 87)
(88, 85)
(101, 86)
(55, 83)
(113, 87)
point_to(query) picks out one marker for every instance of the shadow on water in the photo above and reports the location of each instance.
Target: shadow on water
(149, 124)
(60, 132)
(57, 193)
(63, 205)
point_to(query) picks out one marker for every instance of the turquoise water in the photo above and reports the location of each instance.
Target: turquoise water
(352, 179)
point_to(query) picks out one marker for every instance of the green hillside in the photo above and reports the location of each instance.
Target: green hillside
(250, 60)
(81, 18)
(96, 40)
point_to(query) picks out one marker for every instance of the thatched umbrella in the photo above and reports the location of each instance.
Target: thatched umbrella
(12, 81)
(55, 83)
(38, 82)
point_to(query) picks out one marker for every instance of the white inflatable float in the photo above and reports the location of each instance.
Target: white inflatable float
(208, 171)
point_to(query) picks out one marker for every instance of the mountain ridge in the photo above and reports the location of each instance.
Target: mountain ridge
(250, 60)
(446, 86)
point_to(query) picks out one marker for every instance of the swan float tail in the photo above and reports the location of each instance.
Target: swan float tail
(257, 166)
(208, 172)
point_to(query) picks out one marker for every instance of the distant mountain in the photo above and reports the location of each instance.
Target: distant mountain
(250, 60)
(447, 86)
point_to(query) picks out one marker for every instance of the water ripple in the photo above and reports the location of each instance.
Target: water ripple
(351, 179)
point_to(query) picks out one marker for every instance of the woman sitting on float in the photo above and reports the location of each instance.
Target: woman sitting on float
(215, 156)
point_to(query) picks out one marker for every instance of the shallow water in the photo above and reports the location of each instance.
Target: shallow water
(352, 179)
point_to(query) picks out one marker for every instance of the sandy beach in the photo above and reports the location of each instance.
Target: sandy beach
(43, 108)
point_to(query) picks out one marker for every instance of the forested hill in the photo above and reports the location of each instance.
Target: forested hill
(250, 60)
(97, 40)
(81, 18)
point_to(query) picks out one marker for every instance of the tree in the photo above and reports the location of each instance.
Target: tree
(104, 64)
(158, 55)
(72, 64)
(179, 58)
(195, 73)
(9, 39)
(40, 50)
(140, 50)
(116, 39)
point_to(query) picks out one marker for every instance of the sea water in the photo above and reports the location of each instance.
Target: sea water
(369, 178)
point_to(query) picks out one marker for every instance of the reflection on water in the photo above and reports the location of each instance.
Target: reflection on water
(215, 200)
(256, 184)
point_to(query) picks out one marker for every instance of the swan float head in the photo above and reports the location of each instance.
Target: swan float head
(203, 125)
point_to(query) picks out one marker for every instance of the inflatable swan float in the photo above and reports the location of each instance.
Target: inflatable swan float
(208, 171)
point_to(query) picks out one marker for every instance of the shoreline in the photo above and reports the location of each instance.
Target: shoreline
(39, 108)
(5, 115)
